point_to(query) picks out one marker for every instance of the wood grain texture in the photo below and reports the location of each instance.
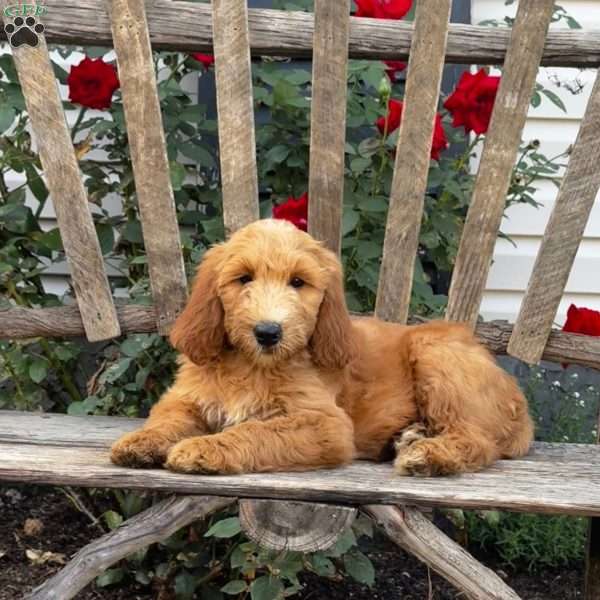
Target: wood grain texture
(149, 158)
(285, 33)
(328, 122)
(554, 478)
(413, 157)
(235, 106)
(67, 192)
(502, 142)
(561, 240)
(148, 527)
(65, 321)
(294, 526)
(408, 528)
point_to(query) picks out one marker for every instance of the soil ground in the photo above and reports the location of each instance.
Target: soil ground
(66, 529)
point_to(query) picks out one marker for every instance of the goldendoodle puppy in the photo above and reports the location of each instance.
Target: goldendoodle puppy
(276, 375)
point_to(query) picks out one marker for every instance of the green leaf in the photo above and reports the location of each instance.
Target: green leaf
(359, 567)
(226, 528)
(299, 77)
(115, 371)
(235, 587)
(277, 154)
(60, 73)
(36, 183)
(110, 577)
(266, 588)
(106, 237)
(113, 519)
(349, 221)
(198, 154)
(52, 240)
(358, 165)
(554, 99)
(177, 175)
(7, 117)
(8, 67)
(132, 232)
(185, 585)
(38, 370)
(343, 544)
(321, 565)
(536, 100)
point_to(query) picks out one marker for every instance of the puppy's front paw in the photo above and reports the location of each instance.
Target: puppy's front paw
(198, 455)
(144, 448)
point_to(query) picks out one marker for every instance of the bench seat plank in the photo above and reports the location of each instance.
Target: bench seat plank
(65, 450)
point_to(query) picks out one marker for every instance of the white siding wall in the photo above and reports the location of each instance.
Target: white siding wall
(524, 224)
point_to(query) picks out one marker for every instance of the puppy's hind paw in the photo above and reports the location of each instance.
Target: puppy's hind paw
(414, 461)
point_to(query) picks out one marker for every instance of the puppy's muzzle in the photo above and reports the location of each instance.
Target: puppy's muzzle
(268, 333)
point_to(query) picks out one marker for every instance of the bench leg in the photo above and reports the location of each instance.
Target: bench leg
(413, 532)
(152, 525)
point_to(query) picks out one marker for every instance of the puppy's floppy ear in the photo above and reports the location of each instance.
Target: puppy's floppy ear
(333, 344)
(199, 331)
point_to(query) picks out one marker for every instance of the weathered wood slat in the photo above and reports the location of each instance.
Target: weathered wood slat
(497, 161)
(295, 526)
(67, 192)
(562, 237)
(65, 321)
(153, 525)
(328, 122)
(49, 429)
(187, 28)
(413, 532)
(235, 105)
(413, 156)
(570, 485)
(149, 157)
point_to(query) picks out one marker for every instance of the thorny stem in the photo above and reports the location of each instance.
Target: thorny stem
(77, 124)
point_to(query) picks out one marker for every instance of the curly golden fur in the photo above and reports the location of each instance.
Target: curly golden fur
(332, 389)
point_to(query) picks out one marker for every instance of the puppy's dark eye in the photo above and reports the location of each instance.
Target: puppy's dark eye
(244, 279)
(296, 282)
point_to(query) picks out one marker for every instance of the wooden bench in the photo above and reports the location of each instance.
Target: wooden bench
(63, 450)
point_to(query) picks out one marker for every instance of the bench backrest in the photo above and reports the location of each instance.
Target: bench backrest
(332, 29)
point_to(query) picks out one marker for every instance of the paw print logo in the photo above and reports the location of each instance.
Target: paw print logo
(23, 31)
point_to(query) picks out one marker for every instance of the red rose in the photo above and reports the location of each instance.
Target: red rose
(92, 83)
(206, 59)
(582, 320)
(394, 67)
(294, 210)
(382, 9)
(472, 102)
(394, 117)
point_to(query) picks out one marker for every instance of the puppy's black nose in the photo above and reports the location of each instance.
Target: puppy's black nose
(267, 333)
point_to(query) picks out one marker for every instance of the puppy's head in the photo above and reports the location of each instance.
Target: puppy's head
(269, 292)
